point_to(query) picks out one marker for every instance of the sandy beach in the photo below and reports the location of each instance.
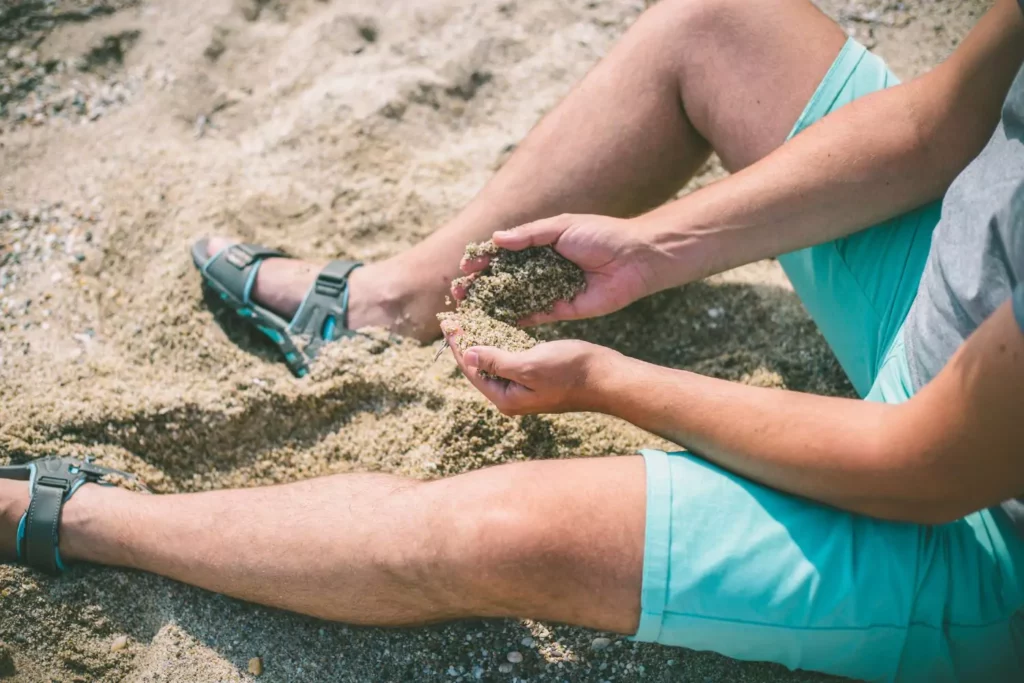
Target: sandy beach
(330, 129)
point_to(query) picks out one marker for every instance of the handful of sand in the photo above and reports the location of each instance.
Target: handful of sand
(514, 285)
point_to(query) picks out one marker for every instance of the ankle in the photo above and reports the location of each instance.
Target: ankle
(13, 503)
(383, 294)
(86, 522)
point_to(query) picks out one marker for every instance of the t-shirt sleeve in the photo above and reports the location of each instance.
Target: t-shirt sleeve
(1014, 246)
(1018, 301)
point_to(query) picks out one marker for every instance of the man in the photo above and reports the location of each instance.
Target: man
(863, 538)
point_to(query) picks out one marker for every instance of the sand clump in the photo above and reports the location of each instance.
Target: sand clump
(514, 285)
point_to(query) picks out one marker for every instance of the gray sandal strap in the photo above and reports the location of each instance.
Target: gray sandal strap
(233, 268)
(39, 549)
(323, 315)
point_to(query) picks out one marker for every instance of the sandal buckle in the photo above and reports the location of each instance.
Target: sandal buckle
(92, 472)
(331, 286)
(55, 482)
(238, 256)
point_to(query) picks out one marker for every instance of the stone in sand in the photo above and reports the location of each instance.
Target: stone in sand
(256, 666)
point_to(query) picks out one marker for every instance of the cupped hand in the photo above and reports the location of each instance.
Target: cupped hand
(618, 261)
(552, 377)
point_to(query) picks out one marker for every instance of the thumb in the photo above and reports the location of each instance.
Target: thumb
(493, 361)
(535, 234)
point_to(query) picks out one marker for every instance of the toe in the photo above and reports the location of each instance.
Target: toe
(215, 244)
(205, 247)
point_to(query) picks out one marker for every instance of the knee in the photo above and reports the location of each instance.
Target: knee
(490, 549)
(503, 541)
(456, 547)
(496, 552)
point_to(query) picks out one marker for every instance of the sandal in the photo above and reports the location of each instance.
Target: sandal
(52, 480)
(322, 317)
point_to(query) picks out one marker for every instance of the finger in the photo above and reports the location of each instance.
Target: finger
(451, 335)
(461, 285)
(535, 234)
(493, 361)
(474, 265)
(494, 390)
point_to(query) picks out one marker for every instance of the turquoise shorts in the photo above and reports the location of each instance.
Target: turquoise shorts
(755, 574)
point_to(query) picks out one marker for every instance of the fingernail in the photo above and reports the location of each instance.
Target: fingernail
(471, 358)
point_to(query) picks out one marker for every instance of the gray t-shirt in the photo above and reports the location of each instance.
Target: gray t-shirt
(976, 261)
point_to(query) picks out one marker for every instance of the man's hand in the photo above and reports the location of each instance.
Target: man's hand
(619, 262)
(553, 377)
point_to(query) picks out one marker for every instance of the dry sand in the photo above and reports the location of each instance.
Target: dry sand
(331, 128)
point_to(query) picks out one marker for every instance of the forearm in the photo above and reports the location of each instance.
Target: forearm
(953, 448)
(880, 156)
(848, 172)
(831, 450)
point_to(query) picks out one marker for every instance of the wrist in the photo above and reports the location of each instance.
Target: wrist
(678, 248)
(606, 380)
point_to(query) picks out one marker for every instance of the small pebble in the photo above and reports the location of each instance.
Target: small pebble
(527, 641)
(600, 643)
(505, 668)
(256, 666)
(120, 643)
(515, 657)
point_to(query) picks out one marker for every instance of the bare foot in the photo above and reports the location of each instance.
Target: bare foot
(13, 503)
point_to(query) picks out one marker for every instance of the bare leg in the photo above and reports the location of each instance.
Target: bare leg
(542, 539)
(689, 76)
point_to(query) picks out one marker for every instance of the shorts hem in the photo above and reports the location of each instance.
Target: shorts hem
(657, 543)
(831, 85)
